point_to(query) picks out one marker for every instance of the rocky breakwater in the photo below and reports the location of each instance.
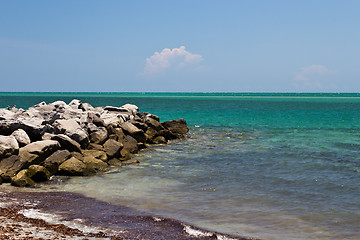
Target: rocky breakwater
(75, 139)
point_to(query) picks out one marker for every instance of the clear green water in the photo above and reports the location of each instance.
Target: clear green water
(273, 166)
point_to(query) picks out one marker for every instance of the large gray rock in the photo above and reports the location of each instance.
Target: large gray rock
(10, 166)
(34, 127)
(72, 129)
(8, 146)
(6, 114)
(8, 126)
(53, 162)
(67, 143)
(37, 152)
(75, 103)
(38, 173)
(112, 148)
(73, 167)
(133, 109)
(21, 137)
(86, 107)
(112, 119)
(132, 130)
(22, 179)
(59, 105)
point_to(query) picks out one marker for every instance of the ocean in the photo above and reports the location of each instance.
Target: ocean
(265, 165)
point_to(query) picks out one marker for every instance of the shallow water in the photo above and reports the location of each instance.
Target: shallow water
(267, 166)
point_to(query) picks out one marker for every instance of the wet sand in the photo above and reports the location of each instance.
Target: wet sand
(63, 215)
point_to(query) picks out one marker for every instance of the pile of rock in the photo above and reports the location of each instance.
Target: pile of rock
(75, 139)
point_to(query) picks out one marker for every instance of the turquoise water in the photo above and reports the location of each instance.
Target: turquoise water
(273, 166)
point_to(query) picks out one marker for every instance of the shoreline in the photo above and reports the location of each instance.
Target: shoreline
(67, 215)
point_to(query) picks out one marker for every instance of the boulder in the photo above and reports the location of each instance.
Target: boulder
(37, 152)
(75, 103)
(6, 114)
(115, 162)
(34, 127)
(78, 155)
(94, 117)
(8, 146)
(53, 162)
(86, 107)
(117, 109)
(112, 119)
(151, 134)
(130, 144)
(176, 126)
(59, 105)
(160, 140)
(67, 143)
(47, 136)
(94, 146)
(10, 166)
(22, 179)
(167, 134)
(116, 134)
(21, 137)
(144, 115)
(152, 123)
(99, 136)
(133, 109)
(8, 126)
(132, 130)
(72, 129)
(125, 155)
(73, 167)
(95, 165)
(112, 148)
(96, 154)
(140, 125)
(38, 173)
(131, 161)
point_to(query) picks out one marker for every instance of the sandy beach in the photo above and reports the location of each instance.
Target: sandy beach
(61, 215)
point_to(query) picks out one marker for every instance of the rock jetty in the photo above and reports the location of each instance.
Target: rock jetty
(75, 139)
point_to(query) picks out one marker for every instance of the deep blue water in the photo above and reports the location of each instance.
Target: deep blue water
(273, 166)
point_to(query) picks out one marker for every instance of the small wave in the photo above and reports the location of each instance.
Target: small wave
(200, 233)
(55, 219)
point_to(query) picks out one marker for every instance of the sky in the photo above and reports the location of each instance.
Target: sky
(180, 46)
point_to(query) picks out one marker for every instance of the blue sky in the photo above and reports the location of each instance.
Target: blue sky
(201, 46)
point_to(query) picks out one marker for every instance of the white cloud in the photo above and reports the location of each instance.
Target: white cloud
(312, 71)
(176, 57)
(314, 77)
